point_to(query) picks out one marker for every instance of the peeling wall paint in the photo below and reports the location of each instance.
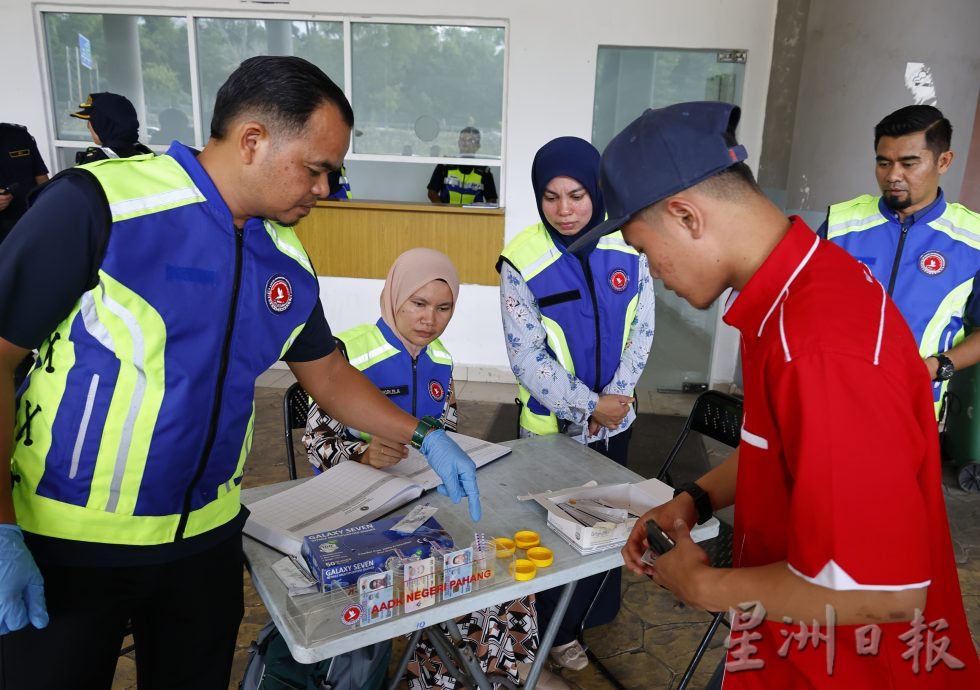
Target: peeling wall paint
(919, 82)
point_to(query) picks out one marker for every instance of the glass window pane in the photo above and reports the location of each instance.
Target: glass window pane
(630, 80)
(416, 86)
(222, 45)
(142, 58)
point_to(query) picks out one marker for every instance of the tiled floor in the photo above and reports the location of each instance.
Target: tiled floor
(650, 642)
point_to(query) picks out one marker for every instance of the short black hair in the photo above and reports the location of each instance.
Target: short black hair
(731, 183)
(285, 90)
(469, 130)
(917, 118)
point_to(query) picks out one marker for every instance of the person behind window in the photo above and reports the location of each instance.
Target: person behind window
(114, 127)
(402, 355)
(463, 184)
(174, 126)
(579, 329)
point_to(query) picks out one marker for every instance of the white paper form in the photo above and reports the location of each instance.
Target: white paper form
(347, 492)
(417, 470)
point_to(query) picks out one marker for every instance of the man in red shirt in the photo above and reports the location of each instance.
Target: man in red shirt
(839, 520)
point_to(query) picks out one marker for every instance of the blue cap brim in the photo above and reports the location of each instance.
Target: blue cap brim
(604, 228)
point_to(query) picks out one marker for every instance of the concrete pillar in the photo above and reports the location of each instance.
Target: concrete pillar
(279, 36)
(788, 45)
(123, 69)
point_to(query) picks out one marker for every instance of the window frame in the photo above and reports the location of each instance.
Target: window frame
(346, 20)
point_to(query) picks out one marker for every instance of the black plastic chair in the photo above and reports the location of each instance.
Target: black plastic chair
(295, 408)
(718, 416)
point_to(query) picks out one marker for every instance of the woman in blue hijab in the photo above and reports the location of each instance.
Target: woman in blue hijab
(579, 328)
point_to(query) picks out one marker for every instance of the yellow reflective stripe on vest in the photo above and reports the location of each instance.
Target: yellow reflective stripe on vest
(854, 216)
(540, 424)
(531, 251)
(230, 486)
(630, 318)
(615, 242)
(80, 524)
(121, 320)
(951, 306)
(161, 184)
(959, 223)
(288, 243)
(291, 339)
(438, 353)
(374, 356)
(141, 206)
(558, 343)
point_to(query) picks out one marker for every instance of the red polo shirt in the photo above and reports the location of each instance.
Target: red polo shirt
(839, 471)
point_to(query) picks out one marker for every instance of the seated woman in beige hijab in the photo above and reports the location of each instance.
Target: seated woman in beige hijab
(402, 354)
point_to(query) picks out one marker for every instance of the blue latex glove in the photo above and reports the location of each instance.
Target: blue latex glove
(454, 467)
(21, 585)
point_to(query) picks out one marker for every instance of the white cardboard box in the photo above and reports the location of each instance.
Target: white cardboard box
(636, 498)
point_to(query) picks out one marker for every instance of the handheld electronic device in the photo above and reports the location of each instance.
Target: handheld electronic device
(658, 540)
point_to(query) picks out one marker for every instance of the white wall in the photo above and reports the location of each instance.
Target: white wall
(550, 87)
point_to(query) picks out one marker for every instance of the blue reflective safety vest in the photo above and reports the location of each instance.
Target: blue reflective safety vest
(137, 428)
(418, 386)
(929, 265)
(587, 308)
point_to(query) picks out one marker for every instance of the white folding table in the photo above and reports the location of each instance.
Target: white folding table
(314, 631)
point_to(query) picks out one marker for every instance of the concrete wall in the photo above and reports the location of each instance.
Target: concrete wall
(550, 88)
(853, 74)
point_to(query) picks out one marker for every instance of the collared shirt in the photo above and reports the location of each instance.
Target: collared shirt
(838, 468)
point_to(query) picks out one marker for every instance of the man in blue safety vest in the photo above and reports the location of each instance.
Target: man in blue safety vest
(922, 248)
(176, 280)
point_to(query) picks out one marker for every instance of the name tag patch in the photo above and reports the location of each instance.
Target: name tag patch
(395, 390)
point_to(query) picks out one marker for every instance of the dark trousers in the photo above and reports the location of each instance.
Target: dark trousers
(185, 616)
(607, 606)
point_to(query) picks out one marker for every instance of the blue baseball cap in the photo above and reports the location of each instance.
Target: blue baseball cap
(662, 152)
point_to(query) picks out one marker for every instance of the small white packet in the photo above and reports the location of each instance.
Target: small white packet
(416, 516)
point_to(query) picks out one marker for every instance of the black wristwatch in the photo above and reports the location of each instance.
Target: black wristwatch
(946, 368)
(702, 502)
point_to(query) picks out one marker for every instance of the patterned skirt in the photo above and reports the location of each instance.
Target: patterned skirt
(503, 636)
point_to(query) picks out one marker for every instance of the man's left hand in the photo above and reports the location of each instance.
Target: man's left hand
(932, 364)
(684, 568)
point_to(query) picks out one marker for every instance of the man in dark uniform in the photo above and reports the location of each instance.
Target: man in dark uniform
(463, 184)
(21, 170)
(114, 127)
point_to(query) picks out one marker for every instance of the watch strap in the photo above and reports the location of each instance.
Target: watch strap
(702, 502)
(425, 425)
(946, 368)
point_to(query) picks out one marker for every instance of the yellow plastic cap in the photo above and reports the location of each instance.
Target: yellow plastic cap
(505, 547)
(525, 539)
(523, 569)
(541, 556)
